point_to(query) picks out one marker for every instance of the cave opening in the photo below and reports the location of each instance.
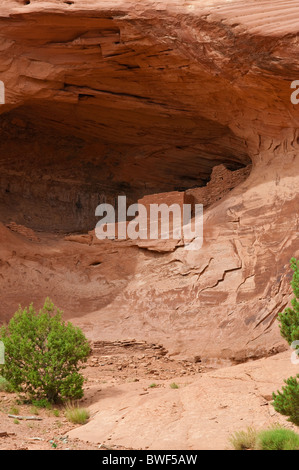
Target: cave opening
(60, 161)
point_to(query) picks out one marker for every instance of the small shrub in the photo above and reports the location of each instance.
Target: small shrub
(278, 439)
(16, 421)
(153, 385)
(44, 354)
(289, 319)
(5, 385)
(34, 411)
(77, 415)
(244, 440)
(14, 410)
(174, 385)
(42, 404)
(286, 401)
(53, 444)
(56, 413)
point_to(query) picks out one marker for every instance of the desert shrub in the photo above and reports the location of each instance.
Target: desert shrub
(244, 440)
(5, 385)
(278, 439)
(34, 410)
(174, 385)
(77, 415)
(286, 401)
(289, 319)
(153, 385)
(43, 403)
(14, 410)
(43, 354)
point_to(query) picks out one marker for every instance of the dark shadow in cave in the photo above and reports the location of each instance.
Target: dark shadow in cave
(59, 161)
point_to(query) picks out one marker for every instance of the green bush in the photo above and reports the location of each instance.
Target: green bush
(278, 439)
(43, 354)
(286, 401)
(289, 319)
(43, 403)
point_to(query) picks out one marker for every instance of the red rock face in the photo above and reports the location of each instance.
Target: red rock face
(110, 98)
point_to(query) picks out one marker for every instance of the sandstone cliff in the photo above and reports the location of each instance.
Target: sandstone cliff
(123, 97)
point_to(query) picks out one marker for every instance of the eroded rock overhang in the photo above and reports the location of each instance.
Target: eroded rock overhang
(132, 99)
(144, 98)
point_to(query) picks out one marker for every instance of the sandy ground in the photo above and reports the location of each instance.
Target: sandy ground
(133, 405)
(111, 365)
